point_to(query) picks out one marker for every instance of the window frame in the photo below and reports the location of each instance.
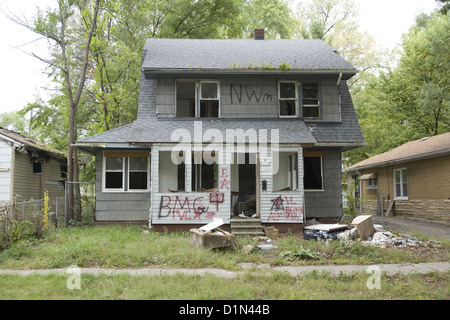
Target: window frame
(318, 106)
(129, 171)
(402, 191)
(198, 97)
(372, 184)
(125, 174)
(296, 99)
(314, 154)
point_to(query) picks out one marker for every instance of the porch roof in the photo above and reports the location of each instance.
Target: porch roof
(290, 131)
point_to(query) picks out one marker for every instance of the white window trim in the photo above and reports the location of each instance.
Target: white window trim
(312, 105)
(373, 186)
(296, 98)
(208, 99)
(401, 183)
(125, 172)
(148, 177)
(198, 95)
(104, 171)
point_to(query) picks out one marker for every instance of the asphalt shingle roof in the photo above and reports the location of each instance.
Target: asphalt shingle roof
(412, 150)
(235, 54)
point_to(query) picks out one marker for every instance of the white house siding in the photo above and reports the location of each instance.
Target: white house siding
(202, 207)
(5, 171)
(188, 207)
(282, 206)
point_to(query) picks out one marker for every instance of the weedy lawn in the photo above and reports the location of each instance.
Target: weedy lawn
(137, 247)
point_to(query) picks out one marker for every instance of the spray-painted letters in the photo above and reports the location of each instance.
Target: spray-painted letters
(284, 208)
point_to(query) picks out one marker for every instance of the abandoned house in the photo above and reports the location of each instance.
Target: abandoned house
(227, 129)
(28, 168)
(412, 179)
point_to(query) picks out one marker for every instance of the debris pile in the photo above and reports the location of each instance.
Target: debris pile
(210, 236)
(363, 228)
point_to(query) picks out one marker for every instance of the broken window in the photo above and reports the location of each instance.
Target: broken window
(172, 175)
(310, 100)
(287, 95)
(204, 172)
(37, 166)
(313, 173)
(286, 178)
(209, 99)
(185, 107)
(186, 99)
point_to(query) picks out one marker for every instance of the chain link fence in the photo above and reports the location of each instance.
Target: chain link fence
(30, 218)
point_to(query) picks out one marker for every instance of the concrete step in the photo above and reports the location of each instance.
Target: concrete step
(247, 226)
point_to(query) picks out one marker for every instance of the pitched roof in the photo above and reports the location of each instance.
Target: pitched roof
(411, 151)
(246, 55)
(28, 142)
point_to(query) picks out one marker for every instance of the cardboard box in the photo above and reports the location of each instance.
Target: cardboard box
(364, 224)
(211, 239)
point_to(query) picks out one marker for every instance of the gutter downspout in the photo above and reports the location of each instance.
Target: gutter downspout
(339, 79)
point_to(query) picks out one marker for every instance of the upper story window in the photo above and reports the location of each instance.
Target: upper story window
(202, 104)
(310, 100)
(287, 96)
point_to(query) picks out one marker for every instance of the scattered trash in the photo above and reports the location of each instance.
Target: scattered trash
(271, 232)
(267, 247)
(323, 231)
(362, 228)
(364, 224)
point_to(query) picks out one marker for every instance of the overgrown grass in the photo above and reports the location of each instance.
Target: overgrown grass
(250, 286)
(130, 247)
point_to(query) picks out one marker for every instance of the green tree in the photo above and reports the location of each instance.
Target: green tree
(419, 88)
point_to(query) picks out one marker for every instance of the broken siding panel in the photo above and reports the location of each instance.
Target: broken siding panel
(5, 170)
(281, 207)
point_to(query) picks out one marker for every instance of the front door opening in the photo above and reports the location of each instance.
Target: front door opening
(243, 170)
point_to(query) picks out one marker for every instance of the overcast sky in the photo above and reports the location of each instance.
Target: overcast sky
(23, 76)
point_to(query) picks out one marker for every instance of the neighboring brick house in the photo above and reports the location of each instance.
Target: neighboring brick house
(256, 125)
(416, 176)
(28, 168)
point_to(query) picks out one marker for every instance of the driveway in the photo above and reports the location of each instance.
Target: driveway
(411, 225)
